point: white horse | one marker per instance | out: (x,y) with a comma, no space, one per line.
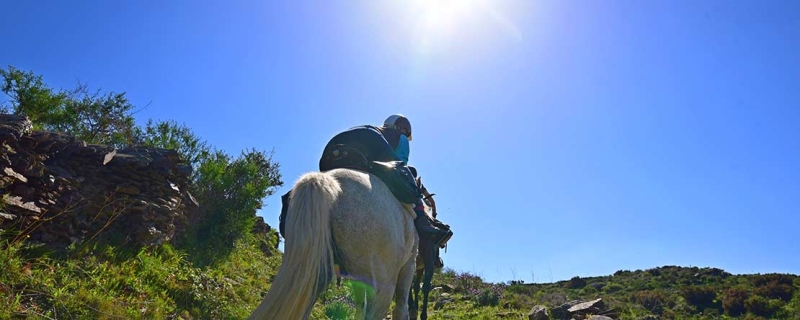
(354,215)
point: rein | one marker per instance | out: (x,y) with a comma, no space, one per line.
(427,196)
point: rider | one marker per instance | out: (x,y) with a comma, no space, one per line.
(387,143)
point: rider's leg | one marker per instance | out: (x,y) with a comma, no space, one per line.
(423,222)
(425,227)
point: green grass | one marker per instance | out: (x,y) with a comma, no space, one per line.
(112,283)
(106,282)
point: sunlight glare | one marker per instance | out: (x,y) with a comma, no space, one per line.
(437,21)
(440,24)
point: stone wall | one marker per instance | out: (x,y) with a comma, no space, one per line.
(58,189)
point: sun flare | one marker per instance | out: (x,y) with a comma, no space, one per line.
(439,24)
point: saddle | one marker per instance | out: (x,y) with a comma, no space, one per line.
(393,173)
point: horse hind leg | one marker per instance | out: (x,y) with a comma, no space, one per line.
(402,292)
(371,301)
(413,296)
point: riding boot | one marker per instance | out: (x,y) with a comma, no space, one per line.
(424,226)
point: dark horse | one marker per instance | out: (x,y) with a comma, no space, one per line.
(426,253)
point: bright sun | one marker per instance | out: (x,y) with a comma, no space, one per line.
(437,21)
(439,24)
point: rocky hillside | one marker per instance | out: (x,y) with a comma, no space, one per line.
(669,292)
(57,189)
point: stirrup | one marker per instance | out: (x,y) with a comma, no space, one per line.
(443,241)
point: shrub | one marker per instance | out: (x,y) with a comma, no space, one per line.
(764,279)
(230,191)
(762,306)
(467,283)
(613,287)
(576,283)
(700,296)
(516,301)
(551,298)
(775,290)
(652,300)
(733,301)
(520,289)
(622,273)
(488,296)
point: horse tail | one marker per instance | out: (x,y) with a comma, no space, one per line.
(307,267)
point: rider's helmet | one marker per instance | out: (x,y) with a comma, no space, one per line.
(399,122)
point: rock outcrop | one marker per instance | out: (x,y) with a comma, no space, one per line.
(576,309)
(538,312)
(57,189)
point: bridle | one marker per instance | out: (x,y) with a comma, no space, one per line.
(427,196)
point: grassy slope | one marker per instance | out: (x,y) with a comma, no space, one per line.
(113,283)
(106,283)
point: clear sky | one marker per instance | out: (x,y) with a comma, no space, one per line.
(563,138)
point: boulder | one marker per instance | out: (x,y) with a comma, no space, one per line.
(562,312)
(538,312)
(594,306)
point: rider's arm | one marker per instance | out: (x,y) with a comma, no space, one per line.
(402,150)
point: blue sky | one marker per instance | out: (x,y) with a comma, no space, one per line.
(563,138)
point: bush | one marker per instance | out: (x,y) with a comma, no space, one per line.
(520,289)
(701,297)
(622,273)
(103,119)
(652,300)
(517,301)
(762,306)
(551,298)
(489,296)
(775,290)
(230,192)
(467,283)
(777,278)
(576,283)
(733,301)
(613,287)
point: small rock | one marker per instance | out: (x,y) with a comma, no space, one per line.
(10,172)
(538,312)
(17,202)
(7,216)
(109,156)
(596,317)
(596,304)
